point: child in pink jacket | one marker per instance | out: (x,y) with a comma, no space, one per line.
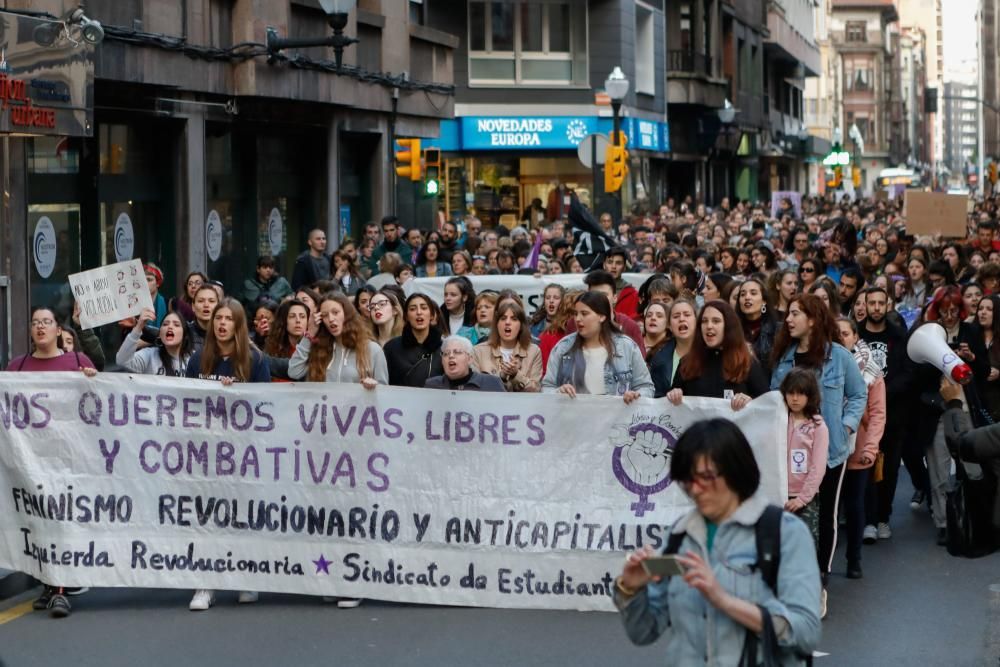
(808,442)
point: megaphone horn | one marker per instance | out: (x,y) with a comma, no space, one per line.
(928,345)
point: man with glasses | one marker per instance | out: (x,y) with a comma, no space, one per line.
(800,249)
(459,375)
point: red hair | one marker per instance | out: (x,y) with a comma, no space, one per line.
(946,297)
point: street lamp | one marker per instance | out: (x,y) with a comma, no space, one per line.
(337,11)
(616,86)
(727,114)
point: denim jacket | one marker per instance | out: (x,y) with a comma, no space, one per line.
(699,634)
(843,396)
(626,368)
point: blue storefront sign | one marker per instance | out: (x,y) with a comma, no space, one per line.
(506,133)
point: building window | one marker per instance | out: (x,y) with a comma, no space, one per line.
(645,55)
(856,31)
(858,76)
(418,15)
(540,42)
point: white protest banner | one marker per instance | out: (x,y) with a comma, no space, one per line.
(110,293)
(529,288)
(516,500)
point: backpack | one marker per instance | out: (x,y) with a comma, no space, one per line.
(767,532)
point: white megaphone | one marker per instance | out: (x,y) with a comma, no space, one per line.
(929,345)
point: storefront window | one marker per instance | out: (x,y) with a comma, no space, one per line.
(55,255)
(53,155)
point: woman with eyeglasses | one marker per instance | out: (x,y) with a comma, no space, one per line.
(47,355)
(809,271)
(385,316)
(806,340)
(722,603)
(414,355)
(597,358)
(948,310)
(184,303)
(227,356)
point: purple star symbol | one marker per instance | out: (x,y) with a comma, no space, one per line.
(323,565)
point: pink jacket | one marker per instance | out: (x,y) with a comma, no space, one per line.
(871,428)
(814,438)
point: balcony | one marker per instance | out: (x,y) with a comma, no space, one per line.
(688,62)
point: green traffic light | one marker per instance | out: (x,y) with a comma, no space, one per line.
(432,187)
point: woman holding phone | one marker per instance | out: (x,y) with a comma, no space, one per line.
(719,602)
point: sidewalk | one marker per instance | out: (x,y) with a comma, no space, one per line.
(14,583)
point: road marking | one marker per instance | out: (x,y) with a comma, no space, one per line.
(15,612)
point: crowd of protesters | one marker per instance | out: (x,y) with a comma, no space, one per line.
(816,302)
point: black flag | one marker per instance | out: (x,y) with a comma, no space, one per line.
(590,242)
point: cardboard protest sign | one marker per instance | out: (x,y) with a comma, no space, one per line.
(411,495)
(110,293)
(935,213)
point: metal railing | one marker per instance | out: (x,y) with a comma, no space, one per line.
(683,60)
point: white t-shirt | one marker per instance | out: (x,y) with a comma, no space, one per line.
(593,378)
(456,322)
(507,354)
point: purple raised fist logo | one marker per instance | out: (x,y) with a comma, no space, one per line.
(641,460)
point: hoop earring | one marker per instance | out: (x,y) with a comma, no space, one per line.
(763,309)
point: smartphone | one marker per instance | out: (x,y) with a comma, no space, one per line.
(663,566)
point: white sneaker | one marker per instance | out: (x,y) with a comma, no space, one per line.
(822,604)
(348,603)
(870,536)
(884,531)
(248,597)
(202,600)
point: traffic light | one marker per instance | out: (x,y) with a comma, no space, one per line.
(408,159)
(615,164)
(836,178)
(856,177)
(432,171)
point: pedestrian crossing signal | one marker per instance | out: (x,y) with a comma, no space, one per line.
(408,159)
(432,171)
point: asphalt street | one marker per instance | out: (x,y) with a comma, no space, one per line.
(916,606)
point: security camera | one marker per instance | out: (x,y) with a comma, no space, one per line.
(92,31)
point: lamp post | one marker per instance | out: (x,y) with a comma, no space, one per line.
(337,11)
(616,86)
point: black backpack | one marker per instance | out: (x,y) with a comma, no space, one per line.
(768,536)
(767,533)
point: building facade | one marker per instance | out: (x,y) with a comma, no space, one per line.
(867,84)
(211,154)
(529,80)
(961,125)
(791,57)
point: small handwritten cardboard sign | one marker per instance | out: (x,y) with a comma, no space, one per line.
(110,293)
